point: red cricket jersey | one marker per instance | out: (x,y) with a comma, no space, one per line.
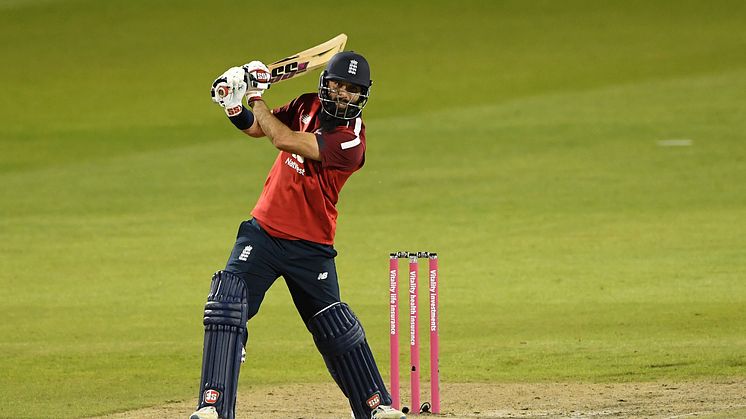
(300,195)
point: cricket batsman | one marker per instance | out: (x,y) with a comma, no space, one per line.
(321,138)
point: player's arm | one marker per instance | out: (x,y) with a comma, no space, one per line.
(251,80)
(254,131)
(296,142)
(282,137)
(245,118)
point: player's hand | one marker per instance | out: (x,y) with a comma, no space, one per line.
(229,89)
(258,76)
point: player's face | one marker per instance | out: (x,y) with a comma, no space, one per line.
(344,93)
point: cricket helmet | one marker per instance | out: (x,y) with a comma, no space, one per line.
(350,67)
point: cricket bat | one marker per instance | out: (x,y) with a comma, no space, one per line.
(303,62)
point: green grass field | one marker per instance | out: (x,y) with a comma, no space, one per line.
(523,141)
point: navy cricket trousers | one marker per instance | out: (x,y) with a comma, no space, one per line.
(308,268)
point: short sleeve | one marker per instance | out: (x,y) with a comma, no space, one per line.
(343,148)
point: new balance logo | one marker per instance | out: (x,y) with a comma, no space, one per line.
(352,69)
(323,275)
(245,253)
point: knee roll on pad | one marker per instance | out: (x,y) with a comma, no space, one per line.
(340,339)
(226,314)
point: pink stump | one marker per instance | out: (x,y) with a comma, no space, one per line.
(434,341)
(394,327)
(414,336)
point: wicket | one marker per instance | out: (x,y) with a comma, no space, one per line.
(414,338)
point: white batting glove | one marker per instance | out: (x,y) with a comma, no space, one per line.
(258,77)
(229,89)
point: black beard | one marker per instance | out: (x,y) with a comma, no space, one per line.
(328,123)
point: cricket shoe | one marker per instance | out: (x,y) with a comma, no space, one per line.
(387,412)
(207,412)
